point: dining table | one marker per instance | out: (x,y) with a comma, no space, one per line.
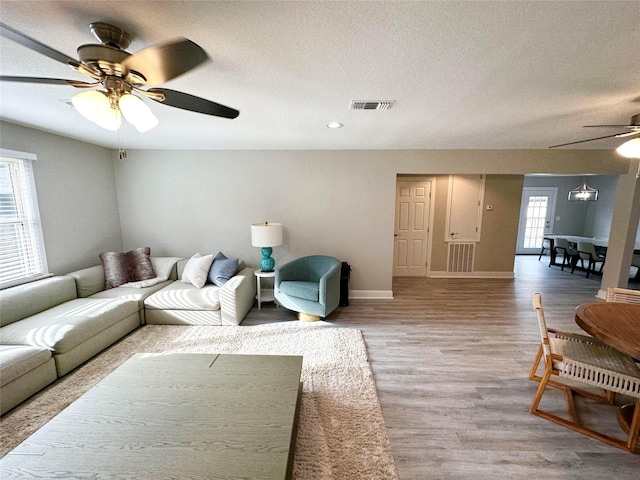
(617,325)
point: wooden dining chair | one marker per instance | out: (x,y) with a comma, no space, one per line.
(587,251)
(592,365)
(562,335)
(623,295)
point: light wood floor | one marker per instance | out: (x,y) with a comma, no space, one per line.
(451,358)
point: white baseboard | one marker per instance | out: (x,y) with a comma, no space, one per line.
(371,294)
(471,275)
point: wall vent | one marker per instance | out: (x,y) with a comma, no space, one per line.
(371,104)
(461,257)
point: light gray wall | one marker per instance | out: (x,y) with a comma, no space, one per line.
(179,202)
(76,190)
(338,203)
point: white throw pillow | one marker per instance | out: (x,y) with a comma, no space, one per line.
(196,270)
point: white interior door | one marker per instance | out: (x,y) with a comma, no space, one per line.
(413,207)
(537,213)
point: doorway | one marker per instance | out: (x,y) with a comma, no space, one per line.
(412,227)
(537,214)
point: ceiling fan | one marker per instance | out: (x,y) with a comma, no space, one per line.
(634,129)
(117,75)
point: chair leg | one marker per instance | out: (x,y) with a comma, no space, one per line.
(534,367)
(589,267)
(541,253)
(630,444)
(539,393)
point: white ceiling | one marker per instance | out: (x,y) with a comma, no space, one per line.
(470,75)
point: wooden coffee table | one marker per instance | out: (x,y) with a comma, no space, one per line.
(173,416)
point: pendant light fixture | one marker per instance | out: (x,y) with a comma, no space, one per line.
(584,193)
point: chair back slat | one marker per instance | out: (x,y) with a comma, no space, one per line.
(623,295)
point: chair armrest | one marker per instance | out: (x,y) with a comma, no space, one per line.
(329,286)
(237,297)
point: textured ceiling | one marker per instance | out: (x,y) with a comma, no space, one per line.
(464,75)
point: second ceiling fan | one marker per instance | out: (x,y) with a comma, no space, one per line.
(633,130)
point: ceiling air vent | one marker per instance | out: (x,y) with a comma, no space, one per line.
(371,104)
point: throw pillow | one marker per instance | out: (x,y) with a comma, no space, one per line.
(124,267)
(197,269)
(222,269)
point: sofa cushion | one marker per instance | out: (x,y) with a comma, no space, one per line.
(124,267)
(129,293)
(197,269)
(66,326)
(25,300)
(16,360)
(184,296)
(304,290)
(222,269)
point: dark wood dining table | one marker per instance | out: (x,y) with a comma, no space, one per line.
(617,325)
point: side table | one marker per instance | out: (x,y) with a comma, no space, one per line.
(264,294)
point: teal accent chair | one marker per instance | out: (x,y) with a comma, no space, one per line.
(309,285)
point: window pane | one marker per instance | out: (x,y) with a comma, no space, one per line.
(535,221)
(22,256)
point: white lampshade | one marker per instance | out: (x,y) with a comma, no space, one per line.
(630,149)
(137,112)
(94,105)
(266,234)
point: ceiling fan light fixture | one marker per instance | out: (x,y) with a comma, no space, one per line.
(136,112)
(630,149)
(96,106)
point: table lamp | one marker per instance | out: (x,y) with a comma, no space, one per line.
(266,235)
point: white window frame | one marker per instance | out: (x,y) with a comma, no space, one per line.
(22,252)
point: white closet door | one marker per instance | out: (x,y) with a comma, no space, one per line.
(464,208)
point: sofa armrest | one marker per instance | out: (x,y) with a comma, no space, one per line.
(88,280)
(237,296)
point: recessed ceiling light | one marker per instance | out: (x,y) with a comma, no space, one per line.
(335,125)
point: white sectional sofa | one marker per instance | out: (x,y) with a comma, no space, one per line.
(51,326)
(45,324)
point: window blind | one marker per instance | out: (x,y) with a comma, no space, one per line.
(22,253)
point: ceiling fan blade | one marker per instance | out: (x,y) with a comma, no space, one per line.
(37,46)
(607,126)
(161,63)
(51,81)
(192,103)
(589,140)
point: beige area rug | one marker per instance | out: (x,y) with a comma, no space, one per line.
(341,432)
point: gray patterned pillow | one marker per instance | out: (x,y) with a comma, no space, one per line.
(124,267)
